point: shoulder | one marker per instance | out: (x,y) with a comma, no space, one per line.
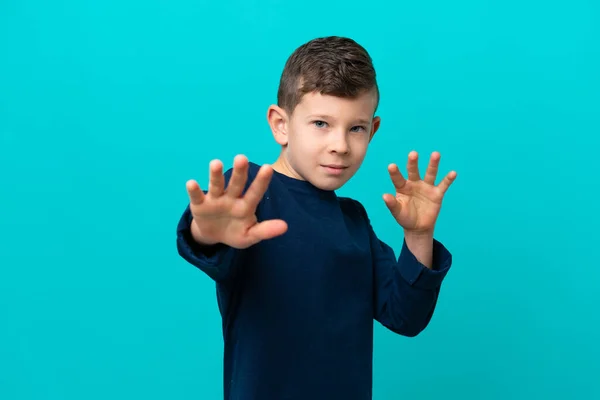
(353,207)
(252,172)
(253,169)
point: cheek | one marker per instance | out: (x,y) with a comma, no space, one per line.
(359,145)
(305,141)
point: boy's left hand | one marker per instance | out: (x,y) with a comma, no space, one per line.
(417,202)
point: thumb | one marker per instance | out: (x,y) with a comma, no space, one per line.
(267,229)
(392,204)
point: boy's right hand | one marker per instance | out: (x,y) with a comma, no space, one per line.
(227,215)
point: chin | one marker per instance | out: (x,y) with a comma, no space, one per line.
(327,184)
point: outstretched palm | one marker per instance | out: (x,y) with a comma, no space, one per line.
(417,202)
(227,214)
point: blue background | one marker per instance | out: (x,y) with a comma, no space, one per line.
(107,108)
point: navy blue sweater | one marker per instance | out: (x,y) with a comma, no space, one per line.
(298,310)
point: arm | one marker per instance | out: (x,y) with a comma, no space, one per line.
(421,245)
(216,260)
(218,224)
(405,290)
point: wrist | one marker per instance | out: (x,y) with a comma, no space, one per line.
(421,245)
(198,237)
(422,234)
(422,240)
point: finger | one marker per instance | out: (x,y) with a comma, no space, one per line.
(412,166)
(216,185)
(392,204)
(239,177)
(432,169)
(268,229)
(447,181)
(259,186)
(397,178)
(195,194)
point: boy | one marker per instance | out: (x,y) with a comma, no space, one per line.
(300,274)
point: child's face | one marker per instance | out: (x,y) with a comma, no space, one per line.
(325,139)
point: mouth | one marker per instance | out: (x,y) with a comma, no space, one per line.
(334,169)
(335,166)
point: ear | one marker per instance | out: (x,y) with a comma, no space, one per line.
(278,121)
(374,127)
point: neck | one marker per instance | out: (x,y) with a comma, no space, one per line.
(283,166)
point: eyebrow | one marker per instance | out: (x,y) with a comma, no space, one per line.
(323,116)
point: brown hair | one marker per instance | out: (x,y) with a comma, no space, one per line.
(332,65)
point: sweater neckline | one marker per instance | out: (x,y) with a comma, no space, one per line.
(303,186)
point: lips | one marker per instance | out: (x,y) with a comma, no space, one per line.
(334,169)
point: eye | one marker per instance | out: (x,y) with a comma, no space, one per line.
(358,129)
(320,124)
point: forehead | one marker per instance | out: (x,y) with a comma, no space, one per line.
(362,106)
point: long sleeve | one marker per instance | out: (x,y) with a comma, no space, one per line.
(216,261)
(219,261)
(406,291)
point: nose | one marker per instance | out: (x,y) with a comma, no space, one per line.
(339,143)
